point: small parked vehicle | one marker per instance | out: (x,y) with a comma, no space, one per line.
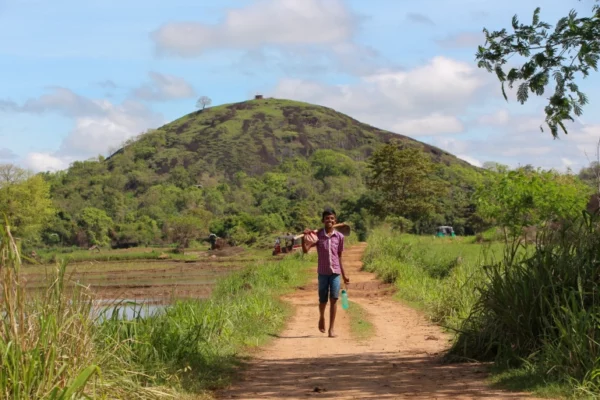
(287,244)
(443,231)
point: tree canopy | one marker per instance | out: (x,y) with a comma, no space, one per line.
(405,177)
(24,200)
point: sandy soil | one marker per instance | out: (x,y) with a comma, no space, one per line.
(401,361)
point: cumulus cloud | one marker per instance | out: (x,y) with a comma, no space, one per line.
(98,125)
(59,100)
(498,117)
(434,102)
(298,37)
(94,135)
(463,40)
(433,124)
(423,100)
(470,160)
(7,154)
(420,18)
(164,87)
(265,22)
(45,162)
(517,140)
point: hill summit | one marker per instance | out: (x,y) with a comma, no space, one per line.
(256,135)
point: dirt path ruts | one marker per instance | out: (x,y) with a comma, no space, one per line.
(401,361)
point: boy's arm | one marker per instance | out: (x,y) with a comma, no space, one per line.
(346,279)
(306,246)
(340,252)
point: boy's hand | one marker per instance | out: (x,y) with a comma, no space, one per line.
(307,231)
(346,279)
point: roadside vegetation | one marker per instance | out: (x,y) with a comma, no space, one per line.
(361,327)
(524,294)
(56,345)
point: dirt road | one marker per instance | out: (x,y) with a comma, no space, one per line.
(401,361)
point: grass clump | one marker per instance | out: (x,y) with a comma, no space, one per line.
(49,342)
(200,343)
(542,308)
(437,275)
(360,326)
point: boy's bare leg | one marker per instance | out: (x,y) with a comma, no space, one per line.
(332,311)
(322,307)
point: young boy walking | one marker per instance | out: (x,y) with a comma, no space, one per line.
(330,246)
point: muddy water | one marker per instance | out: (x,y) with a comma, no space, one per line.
(143,287)
(127,308)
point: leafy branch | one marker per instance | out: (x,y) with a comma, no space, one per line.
(562,54)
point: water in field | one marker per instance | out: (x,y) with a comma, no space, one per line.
(139,288)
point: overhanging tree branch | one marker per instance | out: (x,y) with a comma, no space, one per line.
(568,52)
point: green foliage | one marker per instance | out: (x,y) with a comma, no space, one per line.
(520,198)
(560,54)
(25,201)
(96,226)
(405,178)
(48,341)
(591,175)
(185,228)
(436,275)
(143,231)
(331,163)
(195,344)
(542,307)
(55,345)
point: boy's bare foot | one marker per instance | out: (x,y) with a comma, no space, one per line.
(322,324)
(332,334)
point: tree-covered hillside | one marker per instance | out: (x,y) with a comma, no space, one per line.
(244,171)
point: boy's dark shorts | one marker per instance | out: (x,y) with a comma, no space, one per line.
(329,287)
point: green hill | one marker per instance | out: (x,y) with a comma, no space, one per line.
(256,135)
(243,170)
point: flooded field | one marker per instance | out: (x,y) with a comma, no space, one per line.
(153,282)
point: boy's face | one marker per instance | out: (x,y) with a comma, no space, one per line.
(329,221)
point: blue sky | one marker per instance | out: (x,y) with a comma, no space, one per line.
(79,78)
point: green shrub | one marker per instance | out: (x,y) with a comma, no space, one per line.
(542,306)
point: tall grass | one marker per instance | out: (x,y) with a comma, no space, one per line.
(58,346)
(48,341)
(196,345)
(533,309)
(543,308)
(437,275)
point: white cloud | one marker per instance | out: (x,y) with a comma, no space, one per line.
(265,22)
(95,135)
(60,100)
(470,160)
(498,117)
(434,124)
(42,162)
(164,87)
(518,141)
(423,100)
(99,125)
(430,101)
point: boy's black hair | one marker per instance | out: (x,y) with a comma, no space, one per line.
(328,211)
